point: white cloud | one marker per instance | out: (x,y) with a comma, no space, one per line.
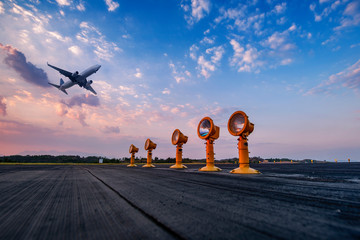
(205,67)
(138,73)
(207,40)
(126,91)
(166,91)
(275,40)
(292,28)
(81,7)
(351,15)
(112,5)
(242,19)
(2,10)
(245,60)
(75,50)
(199,8)
(164,108)
(217,53)
(63,2)
(349,78)
(38,21)
(286,61)
(281,21)
(279,40)
(92,36)
(179,76)
(193,52)
(280,8)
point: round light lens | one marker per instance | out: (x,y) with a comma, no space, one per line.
(130,149)
(237,123)
(175,137)
(204,128)
(147,143)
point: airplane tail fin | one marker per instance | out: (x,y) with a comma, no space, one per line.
(58,86)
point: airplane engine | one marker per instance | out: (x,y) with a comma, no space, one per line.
(89,83)
(75,74)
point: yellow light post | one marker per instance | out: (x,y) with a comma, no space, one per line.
(132,150)
(348,160)
(239,125)
(208,131)
(149,146)
(178,139)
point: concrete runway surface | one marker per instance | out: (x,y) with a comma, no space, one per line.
(286,201)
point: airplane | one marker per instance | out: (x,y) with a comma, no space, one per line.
(75,78)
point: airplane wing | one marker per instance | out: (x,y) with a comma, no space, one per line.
(63,72)
(90,89)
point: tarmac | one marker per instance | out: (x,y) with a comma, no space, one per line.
(285,201)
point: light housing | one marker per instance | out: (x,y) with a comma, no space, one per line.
(178,137)
(207,129)
(133,149)
(149,145)
(239,124)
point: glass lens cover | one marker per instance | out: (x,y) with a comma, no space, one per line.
(175,136)
(205,126)
(237,123)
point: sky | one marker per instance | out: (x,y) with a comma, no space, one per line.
(292,66)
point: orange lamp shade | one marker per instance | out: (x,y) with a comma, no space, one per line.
(239,124)
(207,129)
(133,149)
(149,145)
(178,137)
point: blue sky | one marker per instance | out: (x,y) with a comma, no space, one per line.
(292,66)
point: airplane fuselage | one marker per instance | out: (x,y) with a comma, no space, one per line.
(67,84)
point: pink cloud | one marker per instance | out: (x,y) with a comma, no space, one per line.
(349,78)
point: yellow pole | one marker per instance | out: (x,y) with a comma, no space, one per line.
(312,161)
(178,161)
(149,159)
(132,159)
(243,158)
(349,160)
(210,160)
(335,160)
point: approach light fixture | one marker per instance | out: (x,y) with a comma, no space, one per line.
(209,132)
(149,146)
(132,150)
(178,139)
(239,125)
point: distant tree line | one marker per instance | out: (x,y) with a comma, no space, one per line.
(55,159)
(95,159)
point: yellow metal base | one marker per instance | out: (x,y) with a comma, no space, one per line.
(246,170)
(210,169)
(149,165)
(178,166)
(131,165)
